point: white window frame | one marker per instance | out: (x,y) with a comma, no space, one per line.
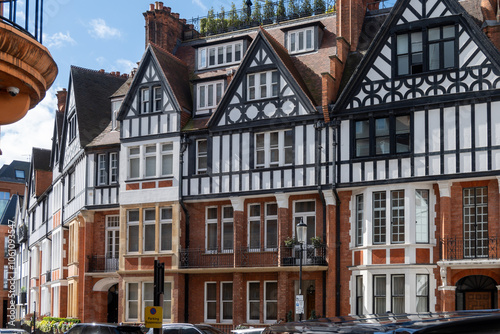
(132,223)
(266,301)
(114,228)
(144,98)
(210,302)
(268,217)
(293,40)
(201,155)
(204,55)
(55,304)
(359,217)
(226,301)
(165,223)
(215,96)
(249,301)
(56,249)
(46,255)
(128,301)
(254,220)
(210,222)
(102,169)
(150,158)
(268,148)
(113,167)
(148,223)
(71,185)
(227,221)
(308,217)
(134,157)
(167,150)
(258,87)
(156,99)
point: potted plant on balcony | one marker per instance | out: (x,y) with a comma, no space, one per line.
(22,295)
(268,12)
(290,243)
(318,256)
(280,11)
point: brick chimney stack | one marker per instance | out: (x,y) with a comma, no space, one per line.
(61,99)
(491,20)
(163,27)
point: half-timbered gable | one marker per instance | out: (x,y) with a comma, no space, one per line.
(420,103)
(158,96)
(263,135)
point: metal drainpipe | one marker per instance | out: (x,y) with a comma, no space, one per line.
(334,126)
(184,144)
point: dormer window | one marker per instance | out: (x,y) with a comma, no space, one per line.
(19,174)
(209,94)
(440,51)
(301,40)
(144,100)
(220,55)
(115,107)
(72,128)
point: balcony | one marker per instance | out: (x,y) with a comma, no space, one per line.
(246,257)
(451,249)
(22,233)
(101,264)
(27,69)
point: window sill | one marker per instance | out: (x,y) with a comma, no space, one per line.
(381,157)
(300,53)
(148,179)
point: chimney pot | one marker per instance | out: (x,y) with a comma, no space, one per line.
(101,71)
(151,7)
(160,4)
(117,73)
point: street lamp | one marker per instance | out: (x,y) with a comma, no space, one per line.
(301,238)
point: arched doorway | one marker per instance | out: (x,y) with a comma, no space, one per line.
(113,304)
(476,292)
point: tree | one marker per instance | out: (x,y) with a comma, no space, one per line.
(306,9)
(292,10)
(256,14)
(319,6)
(245,14)
(211,24)
(233,17)
(268,11)
(280,10)
(222,22)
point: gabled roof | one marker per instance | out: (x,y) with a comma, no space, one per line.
(92,91)
(283,62)
(41,159)
(107,137)
(440,7)
(10,210)
(8,172)
(174,74)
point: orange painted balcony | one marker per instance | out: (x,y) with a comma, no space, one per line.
(27,69)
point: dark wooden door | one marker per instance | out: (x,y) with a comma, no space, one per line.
(477,300)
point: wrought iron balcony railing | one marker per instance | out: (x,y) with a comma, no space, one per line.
(25,16)
(457,248)
(247,257)
(101,263)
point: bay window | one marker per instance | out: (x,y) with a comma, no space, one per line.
(149,161)
(148,225)
(211,229)
(422,293)
(166,229)
(209,94)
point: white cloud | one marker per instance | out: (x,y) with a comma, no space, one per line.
(99,29)
(200,4)
(34,130)
(58,40)
(125,65)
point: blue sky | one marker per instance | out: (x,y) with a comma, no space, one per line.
(105,34)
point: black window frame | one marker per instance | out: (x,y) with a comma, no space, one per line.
(373,139)
(423,28)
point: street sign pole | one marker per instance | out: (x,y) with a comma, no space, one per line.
(159,277)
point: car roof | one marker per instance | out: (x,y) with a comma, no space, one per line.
(483,321)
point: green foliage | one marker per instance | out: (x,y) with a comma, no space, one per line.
(331,9)
(268,10)
(291,241)
(211,23)
(256,14)
(245,16)
(280,10)
(316,241)
(319,6)
(233,16)
(51,324)
(203,26)
(289,316)
(222,23)
(313,315)
(306,9)
(293,9)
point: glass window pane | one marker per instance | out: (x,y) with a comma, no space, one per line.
(167,164)
(149,237)
(210,95)
(416,42)
(449,54)
(448,31)
(133,238)
(382,127)
(403,65)
(166,236)
(402,44)
(434,34)
(229,53)
(308,39)
(434,56)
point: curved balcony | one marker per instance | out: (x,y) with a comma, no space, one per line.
(27,69)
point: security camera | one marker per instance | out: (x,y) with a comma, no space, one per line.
(13,91)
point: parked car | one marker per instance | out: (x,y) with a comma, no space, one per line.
(482,321)
(93,328)
(12,331)
(251,330)
(181,328)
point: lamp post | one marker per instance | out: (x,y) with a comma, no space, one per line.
(301,238)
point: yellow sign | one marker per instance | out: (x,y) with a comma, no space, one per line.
(153,316)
